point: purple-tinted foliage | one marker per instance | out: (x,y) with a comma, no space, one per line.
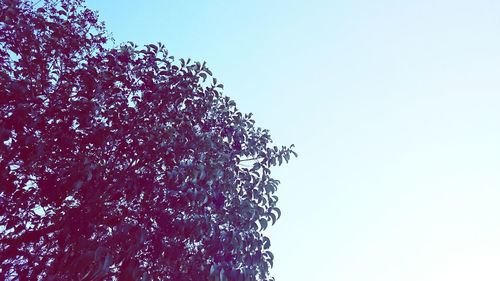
(123,163)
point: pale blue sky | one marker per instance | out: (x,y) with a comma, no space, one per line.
(394,107)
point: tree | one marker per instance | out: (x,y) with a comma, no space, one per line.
(122,163)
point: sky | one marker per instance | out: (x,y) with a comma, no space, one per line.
(393,107)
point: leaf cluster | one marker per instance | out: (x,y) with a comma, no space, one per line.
(123,163)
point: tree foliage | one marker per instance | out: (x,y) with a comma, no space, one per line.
(122,163)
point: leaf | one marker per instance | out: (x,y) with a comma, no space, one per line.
(222,275)
(154,47)
(263,224)
(270,254)
(213,270)
(107,263)
(267,243)
(287,157)
(202,172)
(204,76)
(256,166)
(271,258)
(273,217)
(278,211)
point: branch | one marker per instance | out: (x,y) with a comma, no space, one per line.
(30,236)
(11,252)
(251,159)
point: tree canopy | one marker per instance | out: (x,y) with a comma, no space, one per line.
(123,163)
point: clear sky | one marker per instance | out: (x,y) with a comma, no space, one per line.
(394,107)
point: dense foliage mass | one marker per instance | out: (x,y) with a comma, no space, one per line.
(121,163)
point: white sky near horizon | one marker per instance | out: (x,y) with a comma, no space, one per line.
(394,110)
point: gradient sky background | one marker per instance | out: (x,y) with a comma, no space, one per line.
(394,107)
